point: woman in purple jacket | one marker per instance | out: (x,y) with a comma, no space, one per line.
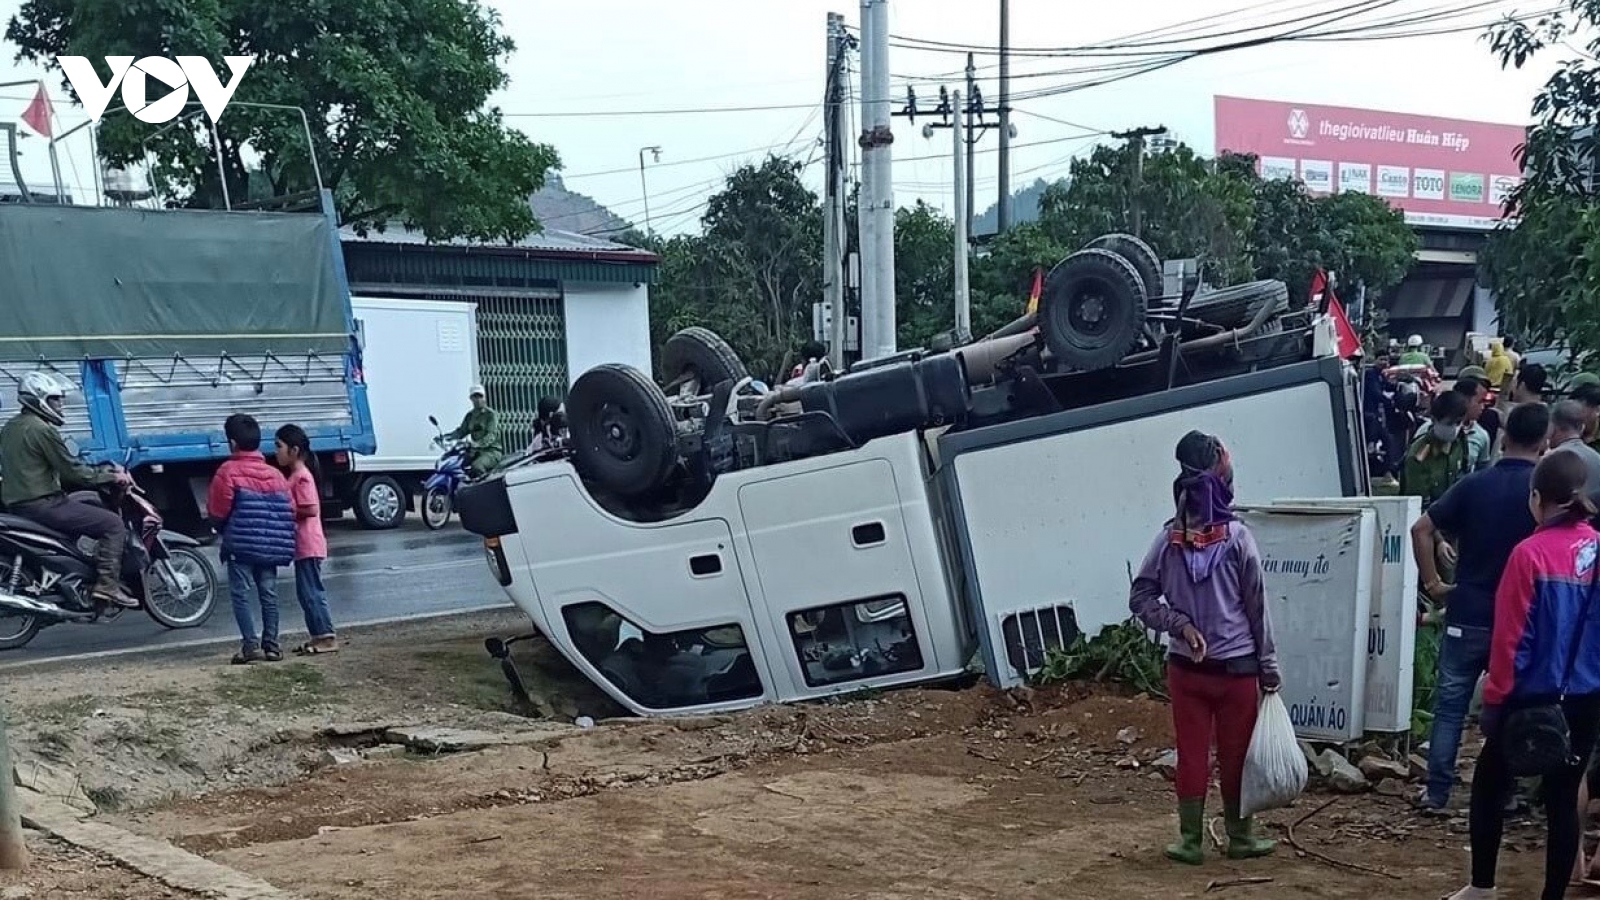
(1201,585)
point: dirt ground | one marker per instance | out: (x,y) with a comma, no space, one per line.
(926,794)
(58,871)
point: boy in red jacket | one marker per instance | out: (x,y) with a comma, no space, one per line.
(249,502)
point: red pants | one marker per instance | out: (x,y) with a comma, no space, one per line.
(1207,705)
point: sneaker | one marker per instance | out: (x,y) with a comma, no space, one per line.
(1430,805)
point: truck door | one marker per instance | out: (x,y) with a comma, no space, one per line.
(837,582)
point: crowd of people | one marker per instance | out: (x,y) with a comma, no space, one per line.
(1509,476)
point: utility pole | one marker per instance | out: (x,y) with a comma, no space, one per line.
(974,103)
(1135,138)
(962,219)
(877,185)
(13,850)
(833,225)
(645,187)
(1005,115)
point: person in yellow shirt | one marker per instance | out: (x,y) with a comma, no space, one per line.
(1499,368)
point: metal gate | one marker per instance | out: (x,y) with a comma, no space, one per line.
(522,355)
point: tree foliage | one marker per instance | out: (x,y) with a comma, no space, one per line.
(1543,263)
(395,92)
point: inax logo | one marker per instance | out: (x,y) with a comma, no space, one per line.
(178,75)
(1299,124)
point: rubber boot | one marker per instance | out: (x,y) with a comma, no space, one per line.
(108,586)
(1189,849)
(1242,840)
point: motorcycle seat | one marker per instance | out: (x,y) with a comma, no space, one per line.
(19,523)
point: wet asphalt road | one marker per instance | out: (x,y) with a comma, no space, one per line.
(370,575)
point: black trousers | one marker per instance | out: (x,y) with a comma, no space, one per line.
(74,518)
(1491,782)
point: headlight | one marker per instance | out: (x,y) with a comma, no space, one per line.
(496,558)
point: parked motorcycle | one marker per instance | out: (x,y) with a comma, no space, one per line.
(449,473)
(46,577)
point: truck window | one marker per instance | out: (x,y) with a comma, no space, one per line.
(855,640)
(664,671)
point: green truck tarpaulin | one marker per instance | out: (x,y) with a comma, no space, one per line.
(106,283)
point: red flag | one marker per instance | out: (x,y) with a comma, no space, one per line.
(39,115)
(1349,341)
(1038,289)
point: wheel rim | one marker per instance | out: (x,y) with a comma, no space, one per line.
(202,590)
(619,435)
(1089,313)
(12,625)
(383,501)
(436,507)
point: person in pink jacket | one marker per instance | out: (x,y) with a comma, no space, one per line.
(310,544)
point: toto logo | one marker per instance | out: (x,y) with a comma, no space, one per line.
(179,76)
(1299,124)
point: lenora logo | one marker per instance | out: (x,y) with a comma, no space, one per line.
(179,76)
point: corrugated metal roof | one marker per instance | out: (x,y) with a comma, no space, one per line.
(1429,298)
(551,240)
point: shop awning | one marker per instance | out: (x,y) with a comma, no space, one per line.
(1432,298)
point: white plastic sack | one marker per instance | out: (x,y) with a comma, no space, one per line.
(1274,768)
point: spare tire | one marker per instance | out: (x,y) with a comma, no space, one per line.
(703,352)
(621,429)
(1093,309)
(1234,307)
(1140,255)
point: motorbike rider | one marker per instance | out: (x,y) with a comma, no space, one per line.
(481,426)
(40,470)
(548,426)
(1415,354)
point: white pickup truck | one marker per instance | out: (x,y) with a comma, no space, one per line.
(779,561)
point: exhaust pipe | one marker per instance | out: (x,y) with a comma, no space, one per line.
(23,604)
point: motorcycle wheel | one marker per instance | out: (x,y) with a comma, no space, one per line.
(436,508)
(16,630)
(160,603)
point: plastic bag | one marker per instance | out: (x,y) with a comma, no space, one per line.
(1275,770)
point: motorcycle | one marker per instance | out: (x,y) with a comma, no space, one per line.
(46,576)
(449,473)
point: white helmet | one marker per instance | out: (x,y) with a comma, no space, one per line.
(45,393)
(476,391)
(1414,342)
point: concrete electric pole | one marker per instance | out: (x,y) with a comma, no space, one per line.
(833,222)
(13,850)
(645,187)
(877,185)
(962,220)
(1135,138)
(1005,115)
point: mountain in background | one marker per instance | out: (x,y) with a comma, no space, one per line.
(559,209)
(1024,208)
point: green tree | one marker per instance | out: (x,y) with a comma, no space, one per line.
(1543,262)
(395,90)
(924,275)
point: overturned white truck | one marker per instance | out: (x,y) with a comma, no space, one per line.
(709,545)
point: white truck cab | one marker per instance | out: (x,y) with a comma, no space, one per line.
(892,563)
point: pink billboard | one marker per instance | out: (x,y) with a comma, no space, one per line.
(1447,172)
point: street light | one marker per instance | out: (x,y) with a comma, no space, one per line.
(645,188)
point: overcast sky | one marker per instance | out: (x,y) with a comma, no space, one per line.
(601,80)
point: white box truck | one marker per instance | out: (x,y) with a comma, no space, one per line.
(419,358)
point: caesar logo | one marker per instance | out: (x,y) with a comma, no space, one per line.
(179,76)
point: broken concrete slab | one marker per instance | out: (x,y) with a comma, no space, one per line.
(429,739)
(349,730)
(148,856)
(1376,768)
(60,785)
(337,756)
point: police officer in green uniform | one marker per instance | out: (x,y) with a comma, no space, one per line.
(1585,386)
(481,425)
(1439,456)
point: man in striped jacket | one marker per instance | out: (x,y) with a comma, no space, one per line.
(249,501)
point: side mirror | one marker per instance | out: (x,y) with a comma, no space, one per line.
(432,421)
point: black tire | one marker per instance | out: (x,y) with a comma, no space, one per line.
(707,355)
(1093,309)
(209,590)
(19,630)
(436,508)
(1233,307)
(1140,255)
(380,503)
(623,437)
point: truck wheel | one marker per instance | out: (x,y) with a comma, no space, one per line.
(380,503)
(623,437)
(703,352)
(1140,255)
(1093,309)
(1234,307)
